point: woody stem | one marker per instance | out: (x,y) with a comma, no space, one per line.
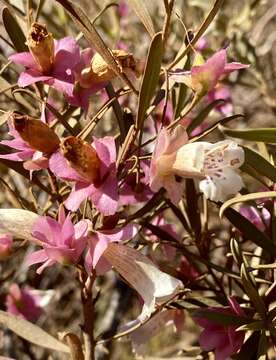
(88,314)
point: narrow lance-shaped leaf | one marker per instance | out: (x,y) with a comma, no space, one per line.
(244,198)
(141,9)
(259,163)
(14,31)
(31,332)
(150,78)
(250,231)
(252,291)
(198,120)
(267,135)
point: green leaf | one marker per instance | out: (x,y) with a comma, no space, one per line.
(252,292)
(259,164)
(31,332)
(253,326)
(267,135)
(221,318)
(150,78)
(203,115)
(14,31)
(262,347)
(141,8)
(250,231)
(244,198)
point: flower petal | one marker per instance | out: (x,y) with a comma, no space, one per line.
(151,283)
(18,223)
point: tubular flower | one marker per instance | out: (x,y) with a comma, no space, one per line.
(49,61)
(5,246)
(214,164)
(204,76)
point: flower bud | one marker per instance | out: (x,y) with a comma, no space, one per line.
(41,46)
(82,157)
(99,70)
(36,133)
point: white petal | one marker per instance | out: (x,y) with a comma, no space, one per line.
(189,160)
(220,189)
(17,223)
(139,271)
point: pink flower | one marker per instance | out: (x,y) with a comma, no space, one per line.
(60,76)
(5,246)
(23,303)
(260,219)
(130,191)
(99,242)
(33,159)
(224,340)
(168,250)
(162,159)
(103,193)
(62,241)
(82,91)
(204,76)
(221,92)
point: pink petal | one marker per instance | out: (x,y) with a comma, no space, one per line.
(67,232)
(17,156)
(62,254)
(29,77)
(63,86)
(24,58)
(45,265)
(100,245)
(47,230)
(81,229)
(213,337)
(174,189)
(36,257)
(125,233)
(106,197)
(106,150)
(59,166)
(233,66)
(78,195)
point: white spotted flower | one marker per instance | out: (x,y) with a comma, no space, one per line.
(216,164)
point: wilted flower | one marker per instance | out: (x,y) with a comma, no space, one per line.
(92,168)
(204,76)
(5,246)
(154,286)
(62,241)
(49,61)
(224,340)
(34,140)
(23,302)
